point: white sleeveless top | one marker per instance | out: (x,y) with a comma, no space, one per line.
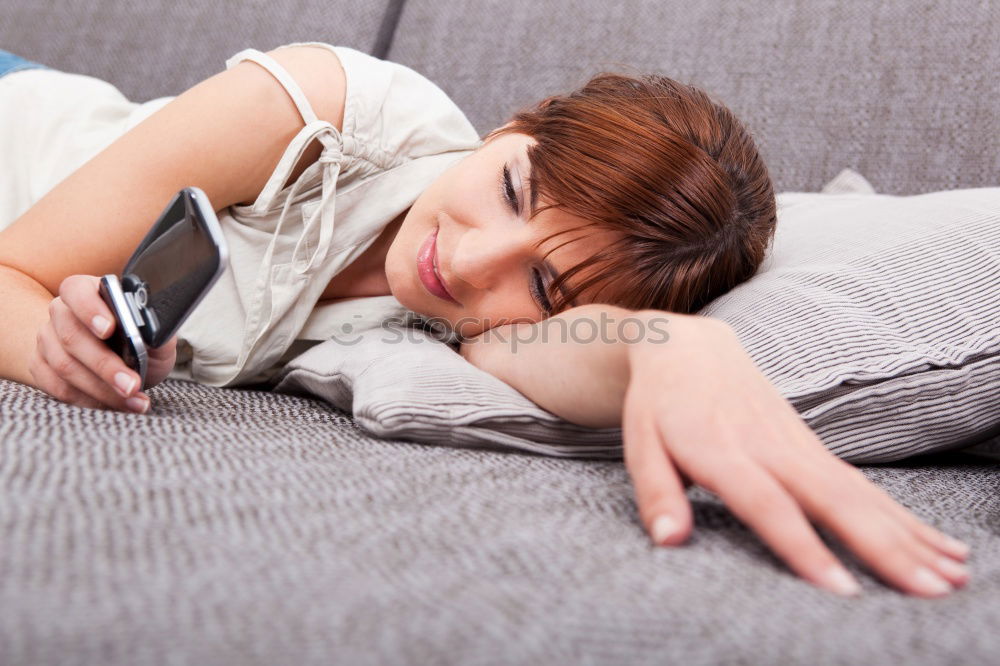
(400,132)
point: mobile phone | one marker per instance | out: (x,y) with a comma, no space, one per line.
(176,264)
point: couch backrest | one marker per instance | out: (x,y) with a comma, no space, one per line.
(904,92)
(154,48)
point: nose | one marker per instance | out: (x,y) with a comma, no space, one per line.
(483,257)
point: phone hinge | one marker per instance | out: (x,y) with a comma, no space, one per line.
(137,317)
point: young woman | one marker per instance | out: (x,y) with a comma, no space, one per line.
(630,202)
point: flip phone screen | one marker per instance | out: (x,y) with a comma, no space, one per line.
(170,269)
(170,272)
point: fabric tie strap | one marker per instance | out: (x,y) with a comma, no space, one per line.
(323,217)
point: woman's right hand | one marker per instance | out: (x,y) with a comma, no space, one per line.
(72,363)
(698,410)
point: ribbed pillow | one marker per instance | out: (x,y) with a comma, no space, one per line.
(875,315)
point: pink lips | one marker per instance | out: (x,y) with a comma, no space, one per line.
(426,256)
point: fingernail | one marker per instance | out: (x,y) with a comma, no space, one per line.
(100,324)
(137,404)
(959,547)
(663,527)
(929,582)
(838,580)
(952,568)
(125,383)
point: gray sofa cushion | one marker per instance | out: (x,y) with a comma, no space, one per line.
(894,89)
(874,315)
(245,527)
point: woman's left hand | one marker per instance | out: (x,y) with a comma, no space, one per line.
(697,409)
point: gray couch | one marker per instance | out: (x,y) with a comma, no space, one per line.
(242,526)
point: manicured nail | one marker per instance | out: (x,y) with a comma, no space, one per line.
(125,383)
(101,324)
(930,582)
(953,568)
(663,527)
(838,580)
(137,404)
(959,547)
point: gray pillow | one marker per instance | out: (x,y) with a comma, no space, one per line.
(875,315)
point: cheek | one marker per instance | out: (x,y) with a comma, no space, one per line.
(401,255)
(509,304)
(414,229)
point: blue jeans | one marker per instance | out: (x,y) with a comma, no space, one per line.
(12,63)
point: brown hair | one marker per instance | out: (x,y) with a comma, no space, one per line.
(676,173)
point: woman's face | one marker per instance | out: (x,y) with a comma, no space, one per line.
(483,243)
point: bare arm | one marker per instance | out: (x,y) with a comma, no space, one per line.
(695,408)
(224,135)
(574,364)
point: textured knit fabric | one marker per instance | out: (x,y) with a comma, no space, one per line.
(164,47)
(244,527)
(906,93)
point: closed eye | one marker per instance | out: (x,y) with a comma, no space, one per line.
(508,191)
(537,284)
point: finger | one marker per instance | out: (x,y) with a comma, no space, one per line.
(891,551)
(953,573)
(684,478)
(663,505)
(957,575)
(47,379)
(762,503)
(165,351)
(892,538)
(81,294)
(836,499)
(101,364)
(73,372)
(932,537)
(160,361)
(805,467)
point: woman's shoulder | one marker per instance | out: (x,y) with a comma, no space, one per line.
(398,109)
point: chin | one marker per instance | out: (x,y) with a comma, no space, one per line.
(414,304)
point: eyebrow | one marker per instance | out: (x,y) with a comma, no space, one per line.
(554,274)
